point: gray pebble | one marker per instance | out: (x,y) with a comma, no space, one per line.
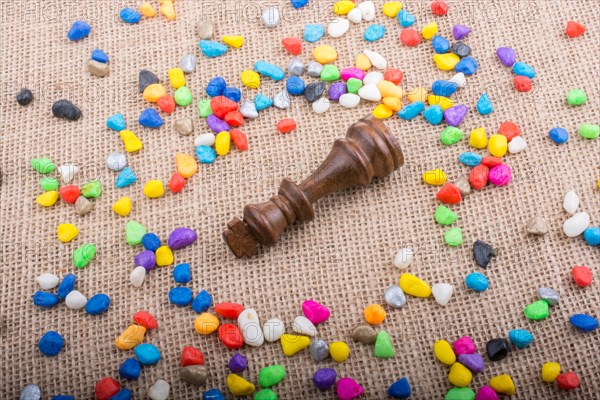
(30,392)
(248,109)
(463,185)
(270,17)
(205,30)
(184,126)
(188,63)
(364,333)
(116,161)
(319,350)
(549,295)
(97,68)
(537,226)
(65,109)
(194,374)
(296,66)
(395,297)
(282,100)
(314,69)
(460,49)
(145,79)
(83,205)
(314,91)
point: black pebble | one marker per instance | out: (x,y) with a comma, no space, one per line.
(482,253)
(146,79)
(314,91)
(67,110)
(24,97)
(497,349)
(460,49)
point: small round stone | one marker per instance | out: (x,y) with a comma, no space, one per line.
(576,97)
(51,343)
(66,110)
(558,135)
(75,300)
(296,66)
(97,304)
(321,105)
(364,333)
(24,97)
(442,292)
(521,338)
(188,63)
(238,363)
(476,281)
(324,378)
(394,297)
(497,349)
(270,17)
(549,295)
(319,350)
(30,392)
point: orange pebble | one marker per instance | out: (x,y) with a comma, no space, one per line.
(374,314)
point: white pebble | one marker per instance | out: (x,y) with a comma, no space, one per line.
(304,326)
(442,293)
(376,59)
(517,145)
(116,161)
(48,281)
(270,17)
(282,100)
(355,15)
(571,201)
(67,172)
(160,390)
(338,27)
(250,326)
(273,329)
(459,79)
(188,63)
(137,276)
(575,225)
(370,92)
(75,300)
(321,106)
(248,109)
(367,9)
(404,258)
(349,100)
(373,78)
(205,139)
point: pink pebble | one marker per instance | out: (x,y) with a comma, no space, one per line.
(486,393)
(315,312)
(500,175)
(464,345)
(353,72)
(348,389)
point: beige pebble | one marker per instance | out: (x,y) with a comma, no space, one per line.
(184,126)
(194,374)
(537,226)
(463,185)
(205,30)
(83,205)
(97,68)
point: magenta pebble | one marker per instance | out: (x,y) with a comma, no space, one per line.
(181,237)
(353,72)
(486,393)
(464,345)
(348,389)
(315,312)
(500,175)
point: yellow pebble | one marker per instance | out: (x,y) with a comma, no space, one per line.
(460,376)
(498,145)
(435,177)
(443,351)
(414,286)
(154,92)
(429,30)
(339,351)
(389,89)
(395,104)
(291,344)
(132,143)
(362,62)
(343,7)
(598,183)
(325,54)
(442,101)
(67,232)
(206,323)
(186,165)
(234,41)
(478,138)
(238,386)
(176,77)
(250,79)
(222,143)
(164,256)
(382,112)
(47,199)
(154,189)
(131,337)
(167,9)
(417,94)
(550,371)
(391,8)
(147,10)
(122,206)
(446,62)
(503,384)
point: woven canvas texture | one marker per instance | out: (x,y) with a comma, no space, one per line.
(343,258)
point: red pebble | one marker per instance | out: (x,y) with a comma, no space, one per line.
(410,37)
(568,381)
(69,194)
(176,183)
(239,139)
(393,75)
(523,83)
(582,276)
(166,104)
(191,356)
(449,194)
(510,130)
(107,388)
(490,161)
(234,118)
(231,336)
(478,177)
(286,125)
(221,106)
(145,319)
(292,44)
(439,7)
(229,310)
(574,29)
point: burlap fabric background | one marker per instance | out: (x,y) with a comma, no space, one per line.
(343,258)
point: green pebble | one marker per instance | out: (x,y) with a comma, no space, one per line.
(456,393)
(537,311)
(271,375)
(43,165)
(444,216)
(204,108)
(91,189)
(453,237)
(83,255)
(451,135)
(183,96)
(354,85)
(383,345)
(265,394)
(330,73)
(589,131)
(576,97)
(134,231)
(48,184)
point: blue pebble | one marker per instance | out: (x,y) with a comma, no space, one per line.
(467,66)
(202,302)
(63,397)
(51,343)
(98,304)
(123,394)
(212,49)
(440,44)
(411,110)
(444,88)
(262,102)
(592,236)
(67,285)
(406,19)
(180,296)
(584,322)
(374,33)
(150,118)
(146,353)
(130,369)
(116,122)
(524,69)
(400,389)
(213,394)
(295,85)
(434,114)
(477,281)
(298,4)
(558,135)
(79,30)
(45,299)
(130,16)
(151,241)
(469,158)
(181,273)
(521,338)
(100,56)
(216,86)
(484,105)
(206,155)
(125,178)
(233,94)
(313,32)
(271,70)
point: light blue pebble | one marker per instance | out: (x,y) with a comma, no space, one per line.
(206,155)
(477,281)
(313,32)
(524,69)
(150,118)
(202,302)
(130,16)
(212,49)
(262,102)
(116,122)
(146,354)
(411,110)
(271,70)
(45,299)
(79,30)
(213,394)
(592,236)
(98,304)
(440,44)
(406,19)
(123,394)
(484,105)
(67,285)
(584,322)
(467,66)
(444,88)
(374,33)
(559,135)
(521,338)
(181,273)
(434,114)
(471,159)
(126,178)
(180,296)
(100,56)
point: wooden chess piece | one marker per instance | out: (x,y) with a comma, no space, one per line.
(368,151)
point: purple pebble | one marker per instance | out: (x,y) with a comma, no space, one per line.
(217,124)
(145,259)
(486,393)
(238,363)
(324,378)
(474,362)
(455,115)
(181,237)
(336,91)
(507,56)
(460,31)
(353,72)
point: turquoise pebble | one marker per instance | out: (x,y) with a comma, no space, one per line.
(51,343)
(524,69)
(130,16)
(79,30)
(100,56)
(484,105)
(262,102)
(592,236)
(444,88)
(181,272)
(213,394)
(45,299)
(411,110)
(521,338)
(150,118)
(469,158)
(584,322)
(406,19)
(212,49)
(467,66)
(313,32)
(400,389)
(271,70)
(206,155)
(116,122)
(126,178)
(434,114)
(202,302)
(374,33)
(440,44)
(180,296)
(147,354)
(477,281)
(98,304)
(559,135)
